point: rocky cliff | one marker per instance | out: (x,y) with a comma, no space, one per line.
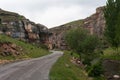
(94,24)
(17,26)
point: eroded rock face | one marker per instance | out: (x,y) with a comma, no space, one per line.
(95,24)
(17,26)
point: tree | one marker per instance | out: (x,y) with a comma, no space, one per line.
(112,17)
(81,42)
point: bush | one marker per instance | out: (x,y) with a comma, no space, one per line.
(96,70)
(40,45)
(43,46)
(91,58)
(81,42)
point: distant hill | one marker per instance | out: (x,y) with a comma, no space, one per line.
(67,26)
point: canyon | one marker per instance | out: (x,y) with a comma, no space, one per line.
(17,26)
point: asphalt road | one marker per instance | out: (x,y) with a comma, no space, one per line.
(33,69)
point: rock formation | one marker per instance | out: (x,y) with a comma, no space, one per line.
(111,69)
(94,24)
(17,26)
(8,48)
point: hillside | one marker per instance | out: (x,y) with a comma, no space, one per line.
(11,16)
(94,24)
(58,33)
(67,26)
(12,49)
(21,38)
(17,26)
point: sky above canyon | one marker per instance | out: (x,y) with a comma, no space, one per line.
(52,13)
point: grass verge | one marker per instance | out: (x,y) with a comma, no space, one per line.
(29,50)
(110,53)
(63,69)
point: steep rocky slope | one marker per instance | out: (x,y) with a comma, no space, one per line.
(94,24)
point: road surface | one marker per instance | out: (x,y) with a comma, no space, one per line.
(34,69)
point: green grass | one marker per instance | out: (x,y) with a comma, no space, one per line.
(63,69)
(29,50)
(111,54)
(77,23)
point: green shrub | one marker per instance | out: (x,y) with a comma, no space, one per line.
(96,70)
(80,41)
(91,58)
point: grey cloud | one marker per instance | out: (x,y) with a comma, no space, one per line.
(45,11)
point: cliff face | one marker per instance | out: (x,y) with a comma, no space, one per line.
(94,24)
(18,26)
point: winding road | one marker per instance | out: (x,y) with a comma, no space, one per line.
(33,69)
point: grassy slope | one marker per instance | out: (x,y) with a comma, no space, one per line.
(65,70)
(67,26)
(111,54)
(10,16)
(76,23)
(29,50)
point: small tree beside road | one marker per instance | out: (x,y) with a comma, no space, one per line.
(80,41)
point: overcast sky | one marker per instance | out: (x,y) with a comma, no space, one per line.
(52,12)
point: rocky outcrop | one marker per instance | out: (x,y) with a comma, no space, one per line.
(10,49)
(57,40)
(17,26)
(94,24)
(111,69)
